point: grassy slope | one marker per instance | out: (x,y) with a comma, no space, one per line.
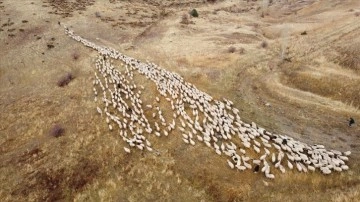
(88,162)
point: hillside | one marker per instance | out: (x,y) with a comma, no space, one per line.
(291,67)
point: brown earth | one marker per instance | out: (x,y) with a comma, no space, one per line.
(291,66)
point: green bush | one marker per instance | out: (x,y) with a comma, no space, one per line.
(194,13)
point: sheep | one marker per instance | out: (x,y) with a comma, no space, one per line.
(270,176)
(344,167)
(127,150)
(99,110)
(298,166)
(256,161)
(247,165)
(325,170)
(290,165)
(221,121)
(241,168)
(273,158)
(282,169)
(231,165)
(263,156)
(311,168)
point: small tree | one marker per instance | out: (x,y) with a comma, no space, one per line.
(194,13)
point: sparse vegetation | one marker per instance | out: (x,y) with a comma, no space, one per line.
(324,85)
(349,57)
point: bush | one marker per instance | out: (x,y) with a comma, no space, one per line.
(75,55)
(50,46)
(65,80)
(56,131)
(241,50)
(303,33)
(194,13)
(231,49)
(264,44)
(185,19)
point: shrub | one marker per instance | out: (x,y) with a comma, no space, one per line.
(231,49)
(50,46)
(241,50)
(65,80)
(75,56)
(264,44)
(56,131)
(194,13)
(185,19)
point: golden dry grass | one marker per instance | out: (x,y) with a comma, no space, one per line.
(337,88)
(311,97)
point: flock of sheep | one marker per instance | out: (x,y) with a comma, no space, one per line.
(197,117)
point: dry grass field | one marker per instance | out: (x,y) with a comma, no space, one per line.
(291,66)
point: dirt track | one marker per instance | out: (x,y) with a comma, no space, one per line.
(310,81)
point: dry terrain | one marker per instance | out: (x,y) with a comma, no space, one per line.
(291,66)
